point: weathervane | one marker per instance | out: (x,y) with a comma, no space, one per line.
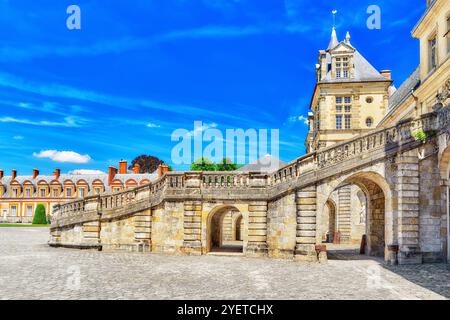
(334,17)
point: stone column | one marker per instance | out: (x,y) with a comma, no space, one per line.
(91,233)
(305,249)
(192,243)
(257,229)
(143,230)
(344,214)
(91,230)
(408,208)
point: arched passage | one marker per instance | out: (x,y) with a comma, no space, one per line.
(225,230)
(378,210)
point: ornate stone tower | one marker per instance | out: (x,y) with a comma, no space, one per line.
(350,96)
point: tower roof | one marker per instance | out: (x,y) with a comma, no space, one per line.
(334,40)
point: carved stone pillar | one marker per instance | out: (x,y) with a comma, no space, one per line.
(192,243)
(305,249)
(408,208)
(257,229)
(143,230)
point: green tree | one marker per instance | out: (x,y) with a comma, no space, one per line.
(226,165)
(203,164)
(39,215)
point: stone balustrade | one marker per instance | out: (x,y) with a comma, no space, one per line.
(382,140)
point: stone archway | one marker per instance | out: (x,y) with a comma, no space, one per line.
(379,220)
(222,227)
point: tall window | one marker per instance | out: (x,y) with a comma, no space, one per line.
(68,192)
(342,67)
(27,192)
(42,193)
(348,121)
(97,190)
(82,193)
(55,193)
(29,211)
(16,193)
(14,211)
(343,113)
(338,121)
(432,53)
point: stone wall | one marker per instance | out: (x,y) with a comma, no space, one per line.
(167,227)
(281,227)
(432,213)
(118,234)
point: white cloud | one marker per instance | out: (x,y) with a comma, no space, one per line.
(63,156)
(69,122)
(299,118)
(153,125)
(18,138)
(203,127)
(86,171)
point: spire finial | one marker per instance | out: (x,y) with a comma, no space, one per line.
(347,38)
(334,18)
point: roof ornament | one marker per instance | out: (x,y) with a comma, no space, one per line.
(334,18)
(347,38)
(334,40)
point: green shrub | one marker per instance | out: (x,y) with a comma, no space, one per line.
(39,215)
(420,135)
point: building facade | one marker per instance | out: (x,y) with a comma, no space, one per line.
(429,82)
(19,195)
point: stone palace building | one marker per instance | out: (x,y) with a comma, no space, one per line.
(377,168)
(19,195)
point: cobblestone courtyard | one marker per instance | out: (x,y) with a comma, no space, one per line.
(32,270)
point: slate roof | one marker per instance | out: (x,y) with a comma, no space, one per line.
(266,164)
(405,90)
(363,71)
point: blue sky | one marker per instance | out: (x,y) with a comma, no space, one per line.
(139,69)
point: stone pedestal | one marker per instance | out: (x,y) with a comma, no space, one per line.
(392,254)
(409,255)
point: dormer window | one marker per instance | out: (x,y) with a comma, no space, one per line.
(342,68)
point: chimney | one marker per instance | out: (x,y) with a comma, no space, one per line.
(1,174)
(13,174)
(137,168)
(387,74)
(111,174)
(35,173)
(57,173)
(162,169)
(122,167)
